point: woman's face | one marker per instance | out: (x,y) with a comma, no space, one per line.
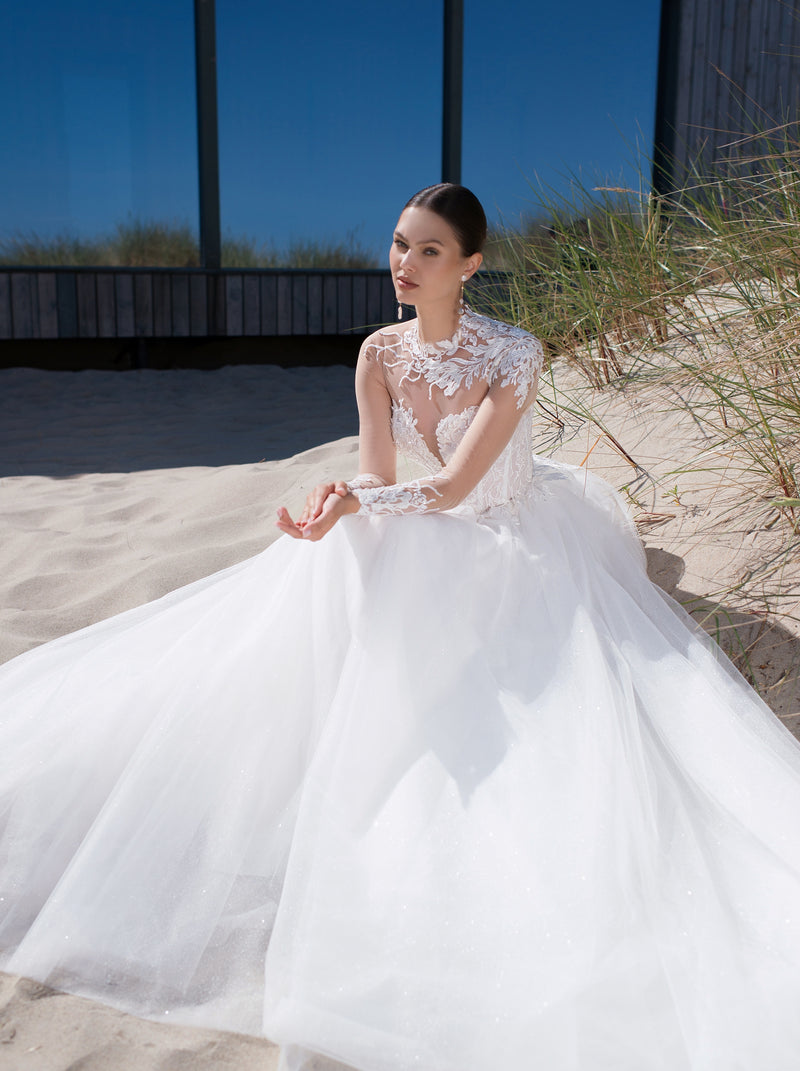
(426,259)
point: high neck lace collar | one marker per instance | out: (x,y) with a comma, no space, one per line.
(443,348)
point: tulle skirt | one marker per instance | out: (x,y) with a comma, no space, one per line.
(437,792)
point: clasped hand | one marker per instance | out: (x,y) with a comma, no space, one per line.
(324,506)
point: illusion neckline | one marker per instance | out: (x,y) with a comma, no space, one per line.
(444,347)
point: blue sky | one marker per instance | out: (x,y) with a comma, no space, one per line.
(330,114)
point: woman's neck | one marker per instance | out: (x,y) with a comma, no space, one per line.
(438,322)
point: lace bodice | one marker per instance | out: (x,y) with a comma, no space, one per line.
(437,391)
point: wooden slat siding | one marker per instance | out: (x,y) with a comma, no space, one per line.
(756,31)
(374,318)
(198,306)
(143,305)
(180,306)
(162,305)
(359,322)
(251,324)
(725,103)
(344,303)
(314,318)
(234,305)
(772,58)
(789,41)
(388,300)
(756,44)
(126,319)
(34,291)
(740,106)
(268,290)
(106,306)
(791,35)
(700,61)
(299,304)
(87,304)
(681,103)
(219,324)
(6,325)
(710,121)
(21,305)
(330,317)
(45,285)
(284,304)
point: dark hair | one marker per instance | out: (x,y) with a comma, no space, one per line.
(459,207)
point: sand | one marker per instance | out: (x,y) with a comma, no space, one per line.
(118,487)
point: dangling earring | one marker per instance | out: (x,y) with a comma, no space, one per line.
(399,312)
(461,298)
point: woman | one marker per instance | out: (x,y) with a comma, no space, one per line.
(456,788)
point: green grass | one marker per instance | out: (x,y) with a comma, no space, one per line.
(700,290)
(695,297)
(139,243)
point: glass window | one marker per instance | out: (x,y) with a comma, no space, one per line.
(329,119)
(99,147)
(553,90)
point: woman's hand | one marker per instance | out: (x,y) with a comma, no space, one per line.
(324,506)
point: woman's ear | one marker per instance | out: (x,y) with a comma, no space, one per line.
(472,264)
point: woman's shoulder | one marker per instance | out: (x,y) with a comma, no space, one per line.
(515,356)
(507,343)
(490,329)
(385,339)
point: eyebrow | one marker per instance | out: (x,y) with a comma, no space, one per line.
(426,241)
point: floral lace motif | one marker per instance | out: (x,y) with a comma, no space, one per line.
(399,498)
(482,352)
(480,349)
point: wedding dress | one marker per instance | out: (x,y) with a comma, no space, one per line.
(454,789)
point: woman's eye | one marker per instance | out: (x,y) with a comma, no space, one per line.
(433,252)
(399,244)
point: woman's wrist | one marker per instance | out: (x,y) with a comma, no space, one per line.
(350,503)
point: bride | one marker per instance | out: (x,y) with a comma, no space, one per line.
(454,788)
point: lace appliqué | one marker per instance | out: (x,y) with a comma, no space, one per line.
(481,348)
(364,480)
(399,498)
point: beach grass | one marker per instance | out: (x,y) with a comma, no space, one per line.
(693,298)
(699,291)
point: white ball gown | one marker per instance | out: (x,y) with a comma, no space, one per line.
(456,790)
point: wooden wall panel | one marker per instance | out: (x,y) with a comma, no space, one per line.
(360,320)
(143,305)
(268,293)
(22,305)
(234,305)
(299,304)
(126,320)
(729,70)
(134,303)
(284,303)
(6,324)
(251,321)
(48,304)
(87,304)
(162,305)
(198,306)
(344,303)
(315,315)
(330,319)
(181,323)
(106,306)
